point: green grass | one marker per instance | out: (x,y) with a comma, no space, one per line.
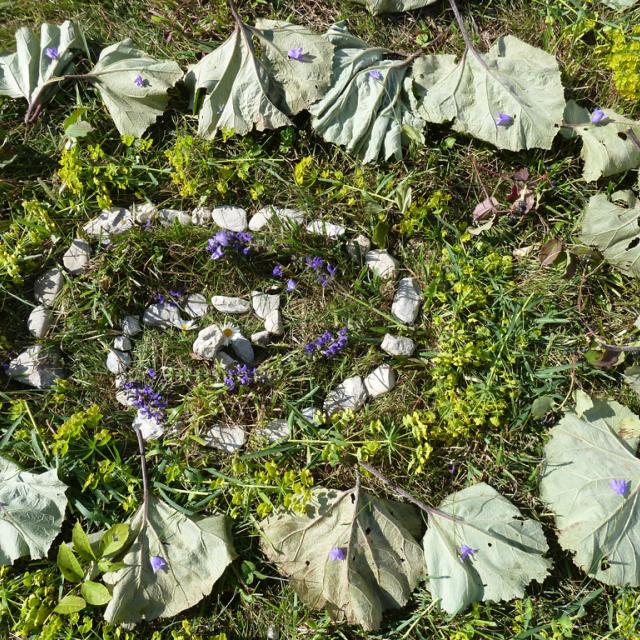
(496,333)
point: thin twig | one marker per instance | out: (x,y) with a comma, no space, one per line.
(234,13)
(145,478)
(465,35)
(432,511)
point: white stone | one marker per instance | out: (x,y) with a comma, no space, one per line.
(397,345)
(196,305)
(122,343)
(77,257)
(150,428)
(242,348)
(264,303)
(381,263)
(225,359)
(231,218)
(48,286)
(349,394)
(168,216)
(230,305)
(201,216)
(124,398)
(162,315)
(380,381)
(325,228)
(261,338)
(406,302)
(273,323)
(143,213)
(111,222)
(35,367)
(309,414)
(358,248)
(209,342)
(131,326)
(39,321)
(226,438)
(118,361)
(283,216)
(276,430)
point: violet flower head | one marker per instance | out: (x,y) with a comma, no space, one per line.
(159,298)
(176,293)
(337,553)
(621,487)
(224,240)
(151,373)
(597,116)
(52,53)
(314,262)
(376,74)
(291,285)
(504,120)
(242,375)
(139,81)
(149,402)
(466,552)
(295,53)
(157,563)
(278,271)
(328,344)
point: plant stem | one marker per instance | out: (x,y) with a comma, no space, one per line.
(145,479)
(432,511)
(465,35)
(234,13)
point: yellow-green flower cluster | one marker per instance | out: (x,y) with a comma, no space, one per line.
(624,62)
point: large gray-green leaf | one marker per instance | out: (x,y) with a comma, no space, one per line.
(196,553)
(607,147)
(619,5)
(25,72)
(378,7)
(31,511)
(590,481)
(513,78)
(487,551)
(303,81)
(614,229)
(371,103)
(381,559)
(133,86)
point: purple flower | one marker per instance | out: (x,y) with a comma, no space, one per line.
(151,373)
(328,344)
(376,74)
(223,239)
(157,563)
(337,553)
(295,53)
(139,81)
(291,285)
(243,374)
(466,552)
(52,53)
(597,116)
(453,468)
(621,487)
(176,293)
(504,120)
(159,298)
(149,402)
(314,262)
(278,271)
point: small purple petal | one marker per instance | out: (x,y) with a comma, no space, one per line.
(466,552)
(376,74)
(291,285)
(504,120)
(151,373)
(139,81)
(597,116)
(337,553)
(157,563)
(277,272)
(621,487)
(295,53)
(52,53)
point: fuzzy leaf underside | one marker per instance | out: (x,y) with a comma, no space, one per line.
(602,528)
(383,561)
(508,550)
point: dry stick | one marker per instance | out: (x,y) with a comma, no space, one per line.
(465,35)
(406,495)
(145,478)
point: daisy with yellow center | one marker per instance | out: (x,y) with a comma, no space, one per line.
(229,332)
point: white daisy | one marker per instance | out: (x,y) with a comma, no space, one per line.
(229,332)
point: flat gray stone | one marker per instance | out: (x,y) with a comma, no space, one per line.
(48,286)
(162,316)
(349,394)
(226,360)
(76,258)
(269,214)
(407,301)
(144,212)
(122,343)
(230,305)
(358,248)
(227,438)
(380,381)
(261,338)
(325,228)
(131,326)
(264,303)
(36,367)
(381,263)
(243,349)
(196,305)
(209,342)
(118,361)
(273,323)
(150,428)
(39,321)
(111,222)
(276,430)
(231,218)
(201,216)
(398,345)
(168,216)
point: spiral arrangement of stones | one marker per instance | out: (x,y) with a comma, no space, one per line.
(39,368)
